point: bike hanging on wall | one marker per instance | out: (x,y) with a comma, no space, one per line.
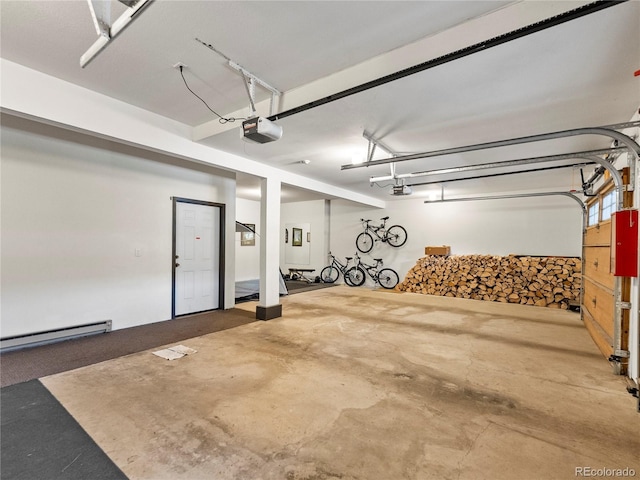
(395,235)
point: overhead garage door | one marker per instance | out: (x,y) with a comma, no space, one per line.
(599,284)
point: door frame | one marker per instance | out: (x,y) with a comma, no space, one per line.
(221,259)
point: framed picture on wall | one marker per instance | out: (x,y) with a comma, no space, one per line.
(296,240)
(248,239)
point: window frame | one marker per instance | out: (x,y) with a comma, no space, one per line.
(607,205)
(593,213)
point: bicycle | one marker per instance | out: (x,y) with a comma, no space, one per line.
(386,277)
(331,273)
(395,235)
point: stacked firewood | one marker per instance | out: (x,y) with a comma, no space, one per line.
(542,281)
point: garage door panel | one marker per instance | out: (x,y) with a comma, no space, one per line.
(600,305)
(599,336)
(598,235)
(597,265)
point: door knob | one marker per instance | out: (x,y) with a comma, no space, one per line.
(177,264)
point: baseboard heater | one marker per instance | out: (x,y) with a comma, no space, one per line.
(50,336)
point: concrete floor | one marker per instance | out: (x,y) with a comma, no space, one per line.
(360,384)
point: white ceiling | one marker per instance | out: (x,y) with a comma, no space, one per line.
(573,75)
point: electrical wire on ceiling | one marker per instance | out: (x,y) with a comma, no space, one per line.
(221,119)
(377,184)
(249,80)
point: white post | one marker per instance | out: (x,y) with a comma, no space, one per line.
(269,304)
(634,314)
(634,317)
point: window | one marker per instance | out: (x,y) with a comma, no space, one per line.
(608,202)
(593,213)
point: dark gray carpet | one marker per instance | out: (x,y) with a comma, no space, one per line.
(37,362)
(297,286)
(41,441)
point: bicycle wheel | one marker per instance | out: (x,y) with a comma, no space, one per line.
(347,278)
(355,276)
(396,236)
(329,274)
(364,242)
(388,278)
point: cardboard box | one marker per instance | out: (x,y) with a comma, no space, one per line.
(442,250)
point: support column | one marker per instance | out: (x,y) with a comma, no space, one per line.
(269,304)
(634,314)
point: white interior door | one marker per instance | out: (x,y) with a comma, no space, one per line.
(197,272)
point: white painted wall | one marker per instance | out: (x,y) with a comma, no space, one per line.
(537,226)
(313,214)
(74,209)
(248,257)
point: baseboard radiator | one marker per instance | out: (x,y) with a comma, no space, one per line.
(50,336)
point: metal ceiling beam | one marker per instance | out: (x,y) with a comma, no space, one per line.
(100,14)
(607,131)
(615,175)
(492,175)
(591,156)
(250,78)
(378,143)
(571,194)
(508,163)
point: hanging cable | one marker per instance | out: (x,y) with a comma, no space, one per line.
(377,184)
(221,119)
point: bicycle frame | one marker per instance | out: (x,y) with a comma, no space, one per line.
(338,265)
(369,268)
(384,276)
(375,229)
(331,272)
(372,268)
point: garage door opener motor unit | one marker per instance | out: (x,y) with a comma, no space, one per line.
(261,130)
